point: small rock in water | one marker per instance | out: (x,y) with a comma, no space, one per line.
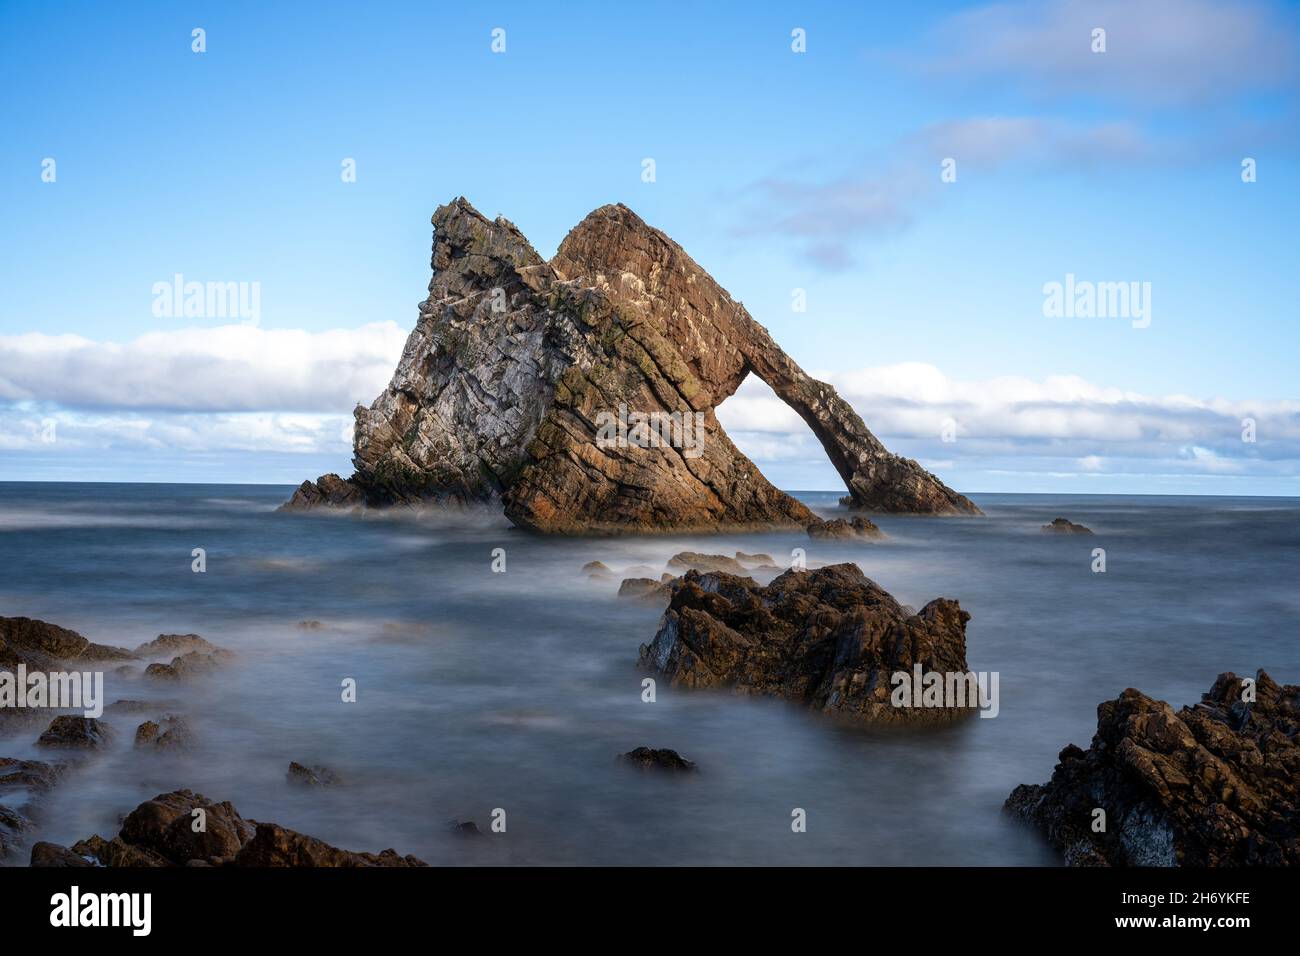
(650,758)
(170,732)
(313,776)
(597,569)
(70,731)
(759,560)
(189,665)
(171,645)
(467,829)
(858,527)
(311,625)
(1065,526)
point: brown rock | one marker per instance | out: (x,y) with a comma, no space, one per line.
(171,732)
(1216,784)
(645,589)
(70,731)
(274,845)
(51,854)
(516,368)
(172,645)
(190,665)
(857,527)
(829,638)
(695,561)
(37,644)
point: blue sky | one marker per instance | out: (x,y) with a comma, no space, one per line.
(776,171)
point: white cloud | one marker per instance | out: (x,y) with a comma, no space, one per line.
(1082,426)
(223,369)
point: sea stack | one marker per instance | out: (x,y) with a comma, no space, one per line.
(580,393)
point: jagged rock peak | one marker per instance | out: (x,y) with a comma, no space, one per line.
(580,393)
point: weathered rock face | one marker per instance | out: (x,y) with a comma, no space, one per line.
(1217,784)
(829,638)
(523,381)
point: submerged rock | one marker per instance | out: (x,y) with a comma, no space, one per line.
(466,829)
(161,832)
(1064,526)
(829,638)
(1215,784)
(314,776)
(580,393)
(649,758)
(172,645)
(857,527)
(597,569)
(189,665)
(754,561)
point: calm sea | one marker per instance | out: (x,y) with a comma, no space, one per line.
(480,690)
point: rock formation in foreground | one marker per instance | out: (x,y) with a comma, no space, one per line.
(160,832)
(1217,784)
(829,638)
(580,392)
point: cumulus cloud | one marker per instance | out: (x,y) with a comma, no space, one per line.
(228,368)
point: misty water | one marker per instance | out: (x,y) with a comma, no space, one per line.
(479,690)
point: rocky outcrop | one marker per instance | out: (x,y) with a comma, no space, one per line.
(1215,784)
(165,831)
(652,758)
(830,639)
(1064,526)
(580,393)
(37,644)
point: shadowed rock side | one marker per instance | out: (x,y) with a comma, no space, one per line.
(1217,784)
(829,638)
(503,383)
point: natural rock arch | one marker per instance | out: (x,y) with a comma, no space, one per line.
(515,364)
